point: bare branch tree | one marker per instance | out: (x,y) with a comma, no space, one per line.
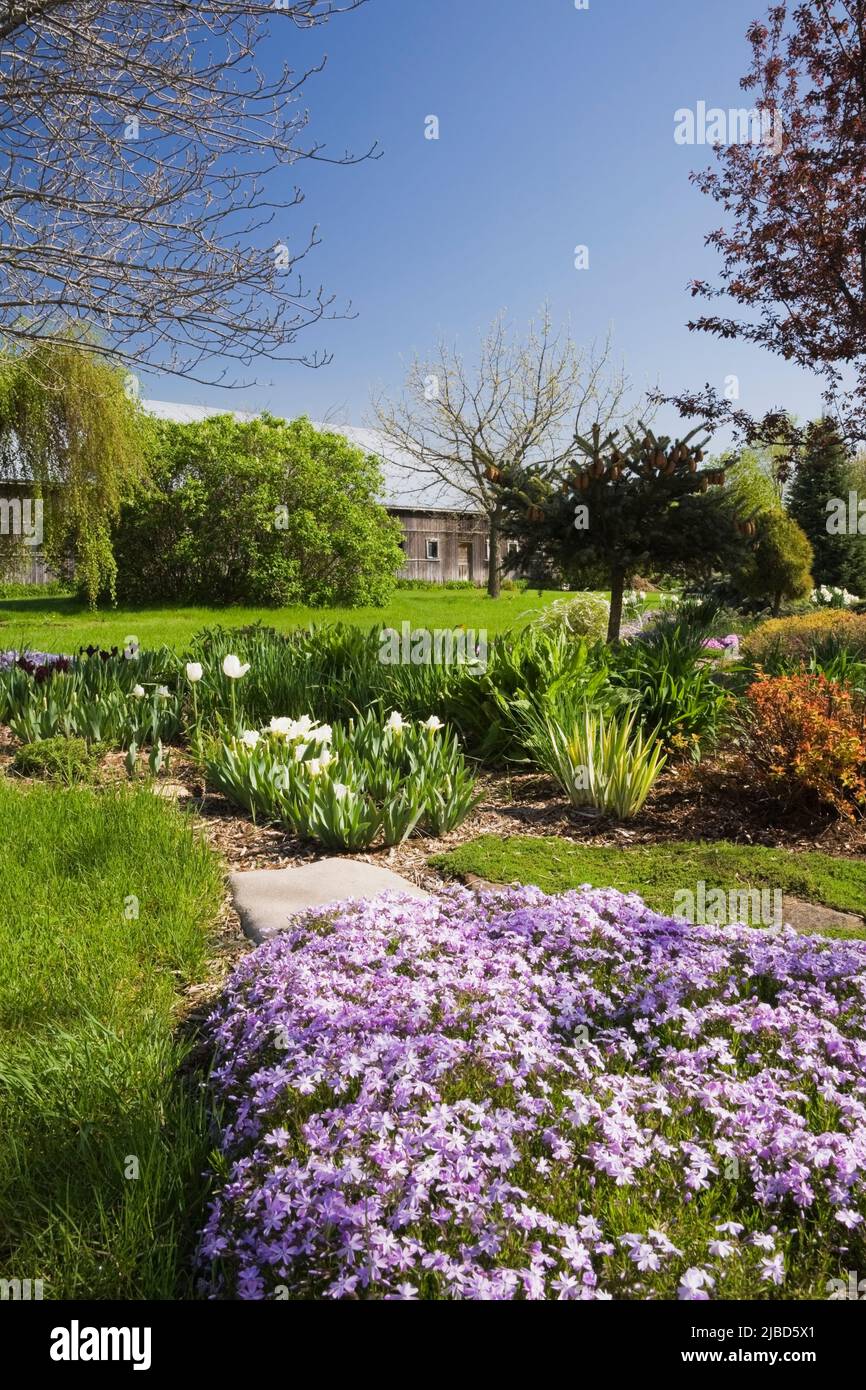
(144,180)
(464,425)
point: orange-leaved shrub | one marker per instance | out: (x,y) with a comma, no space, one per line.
(805,736)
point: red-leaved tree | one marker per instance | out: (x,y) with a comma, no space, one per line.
(793,249)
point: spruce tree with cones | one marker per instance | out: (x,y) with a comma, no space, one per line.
(625,504)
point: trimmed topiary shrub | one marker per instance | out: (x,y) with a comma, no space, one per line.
(779,565)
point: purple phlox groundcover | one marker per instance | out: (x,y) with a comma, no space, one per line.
(510,1095)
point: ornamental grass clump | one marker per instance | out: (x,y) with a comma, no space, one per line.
(580,615)
(602,762)
(348,787)
(509,1095)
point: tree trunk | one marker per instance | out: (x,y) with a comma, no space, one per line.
(777,605)
(617,589)
(494,578)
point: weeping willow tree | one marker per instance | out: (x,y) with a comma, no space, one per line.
(70,429)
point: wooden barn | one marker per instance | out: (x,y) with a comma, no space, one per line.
(443,538)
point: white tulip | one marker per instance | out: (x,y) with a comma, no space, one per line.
(138,691)
(324,733)
(194,672)
(233,668)
(326,757)
(280,726)
(341,791)
(314,767)
(434,724)
(303,725)
(395,722)
(163,691)
(250,738)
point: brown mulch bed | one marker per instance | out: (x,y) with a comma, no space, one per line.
(711,803)
(714,801)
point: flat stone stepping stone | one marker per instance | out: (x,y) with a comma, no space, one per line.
(809,917)
(171,791)
(266,899)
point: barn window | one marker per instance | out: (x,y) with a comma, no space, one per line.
(433,548)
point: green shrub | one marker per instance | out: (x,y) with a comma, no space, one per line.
(779,565)
(259,511)
(66,760)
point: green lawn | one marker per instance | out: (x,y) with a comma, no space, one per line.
(64,625)
(102,1146)
(658,872)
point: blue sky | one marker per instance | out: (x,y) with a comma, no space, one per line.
(556,129)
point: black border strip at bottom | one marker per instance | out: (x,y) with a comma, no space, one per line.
(154,1339)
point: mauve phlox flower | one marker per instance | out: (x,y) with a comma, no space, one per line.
(449,1099)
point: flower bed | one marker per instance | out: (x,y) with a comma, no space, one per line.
(518,1096)
(39,664)
(347,787)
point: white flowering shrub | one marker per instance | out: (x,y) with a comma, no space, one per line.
(830,596)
